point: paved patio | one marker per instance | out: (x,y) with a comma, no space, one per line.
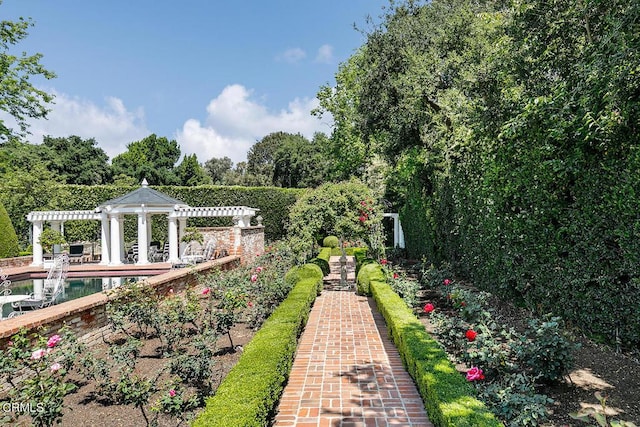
(347,372)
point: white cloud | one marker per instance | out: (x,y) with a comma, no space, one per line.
(112,125)
(235,121)
(292,55)
(325,54)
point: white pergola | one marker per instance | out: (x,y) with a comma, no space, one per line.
(143,202)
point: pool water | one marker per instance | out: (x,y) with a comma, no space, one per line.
(74,287)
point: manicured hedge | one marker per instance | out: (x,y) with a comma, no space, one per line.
(250,392)
(448,397)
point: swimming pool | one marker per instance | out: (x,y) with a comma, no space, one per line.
(74,287)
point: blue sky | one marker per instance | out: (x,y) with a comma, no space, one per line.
(214,75)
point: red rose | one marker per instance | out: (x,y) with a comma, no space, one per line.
(428,308)
(446,282)
(471,335)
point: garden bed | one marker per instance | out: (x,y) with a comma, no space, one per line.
(166,352)
(596,368)
(467,323)
(85,407)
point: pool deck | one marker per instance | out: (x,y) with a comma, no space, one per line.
(91,269)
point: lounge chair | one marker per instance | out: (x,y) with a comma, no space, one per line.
(209,250)
(192,253)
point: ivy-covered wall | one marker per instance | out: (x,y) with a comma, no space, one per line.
(273,203)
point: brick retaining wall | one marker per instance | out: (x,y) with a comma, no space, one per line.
(86,316)
(21,261)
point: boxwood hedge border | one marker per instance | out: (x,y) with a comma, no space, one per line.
(449,399)
(250,392)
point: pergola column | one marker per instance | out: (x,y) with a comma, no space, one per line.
(143,239)
(37,247)
(116,242)
(174,257)
(104,240)
(182,222)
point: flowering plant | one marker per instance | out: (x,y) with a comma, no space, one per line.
(471,335)
(475,374)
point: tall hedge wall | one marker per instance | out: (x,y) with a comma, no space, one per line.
(273,203)
(555,240)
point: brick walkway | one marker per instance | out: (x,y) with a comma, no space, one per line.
(347,372)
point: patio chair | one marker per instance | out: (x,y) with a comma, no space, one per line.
(192,253)
(165,252)
(209,250)
(132,254)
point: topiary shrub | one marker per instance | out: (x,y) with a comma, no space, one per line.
(8,238)
(331,242)
(368,273)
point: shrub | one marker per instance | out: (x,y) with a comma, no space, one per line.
(8,238)
(324,265)
(548,353)
(331,242)
(250,392)
(366,274)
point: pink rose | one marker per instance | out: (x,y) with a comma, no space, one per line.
(250,304)
(446,282)
(172,393)
(259,269)
(38,354)
(54,340)
(254,277)
(428,308)
(206,291)
(474,374)
(396,275)
(383,261)
(56,366)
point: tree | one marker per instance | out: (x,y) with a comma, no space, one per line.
(152,158)
(18,96)
(191,173)
(23,191)
(261,156)
(217,168)
(19,156)
(347,148)
(298,162)
(74,160)
(8,238)
(347,209)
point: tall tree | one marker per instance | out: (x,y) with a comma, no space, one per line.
(216,168)
(260,158)
(347,146)
(18,96)
(299,162)
(74,160)
(152,158)
(191,173)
